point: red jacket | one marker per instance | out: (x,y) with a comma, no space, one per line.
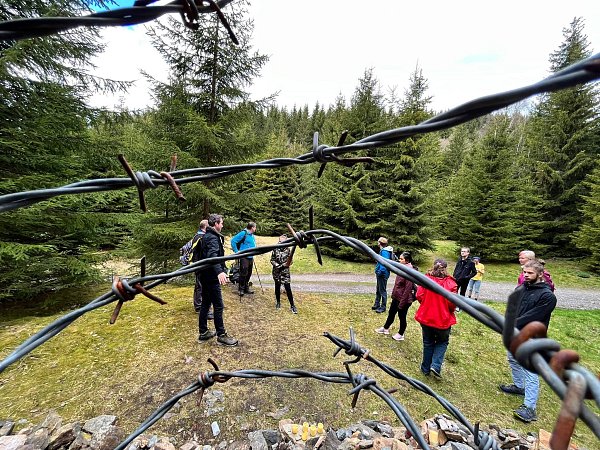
(434,310)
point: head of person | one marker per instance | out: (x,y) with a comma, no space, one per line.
(203,224)
(439,269)
(533,271)
(526,255)
(405,258)
(283,237)
(251,227)
(216,221)
(465,252)
(382,242)
(476,259)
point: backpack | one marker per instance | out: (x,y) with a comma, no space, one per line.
(393,256)
(413,293)
(187,251)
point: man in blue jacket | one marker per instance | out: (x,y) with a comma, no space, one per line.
(382,275)
(243,241)
(537,304)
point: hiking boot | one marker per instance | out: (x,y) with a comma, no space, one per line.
(380,310)
(228,341)
(375,307)
(206,336)
(294,310)
(525,414)
(382,330)
(436,373)
(511,389)
(277,305)
(398,337)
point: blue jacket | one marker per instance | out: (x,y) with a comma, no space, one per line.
(249,242)
(386,252)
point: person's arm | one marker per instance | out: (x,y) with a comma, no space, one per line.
(420,294)
(212,251)
(274,262)
(472,269)
(235,242)
(540,312)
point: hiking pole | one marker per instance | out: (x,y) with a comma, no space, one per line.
(258,276)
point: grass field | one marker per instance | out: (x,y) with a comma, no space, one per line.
(151,353)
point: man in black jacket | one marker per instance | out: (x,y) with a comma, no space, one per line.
(211,278)
(464,270)
(537,304)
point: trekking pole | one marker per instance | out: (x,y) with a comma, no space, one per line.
(258,276)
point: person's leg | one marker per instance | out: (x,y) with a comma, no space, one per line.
(218,307)
(442,337)
(402,312)
(391,314)
(384,293)
(532,389)
(428,344)
(518,373)
(245,274)
(476,287)
(470,287)
(288,291)
(377,293)
(463,286)
(277,293)
(197,293)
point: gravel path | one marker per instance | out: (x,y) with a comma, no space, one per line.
(346,283)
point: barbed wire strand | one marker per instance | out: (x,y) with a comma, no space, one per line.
(44,26)
(583,71)
(482,313)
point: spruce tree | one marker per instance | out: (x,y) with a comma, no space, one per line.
(588,236)
(564,142)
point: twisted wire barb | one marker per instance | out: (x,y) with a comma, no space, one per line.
(581,72)
(139,13)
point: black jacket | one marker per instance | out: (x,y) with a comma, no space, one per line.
(537,304)
(465,269)
(211,247)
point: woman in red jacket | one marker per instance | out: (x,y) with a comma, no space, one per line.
(402,298)
(436,316)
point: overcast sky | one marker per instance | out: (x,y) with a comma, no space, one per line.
(320,48)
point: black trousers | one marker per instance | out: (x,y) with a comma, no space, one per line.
(197,293)
(288,291)
(462,285)
(394,309)
(245,273)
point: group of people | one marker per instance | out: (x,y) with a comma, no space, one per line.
(436,314)
(208,299)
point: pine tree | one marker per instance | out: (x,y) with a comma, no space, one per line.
(564,143)
(588,236)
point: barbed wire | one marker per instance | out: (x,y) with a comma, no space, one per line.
(581,72)
(571,382)
(483,440)
(139,13)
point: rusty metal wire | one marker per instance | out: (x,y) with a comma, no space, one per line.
(582,72)
(360,382)
(139,13)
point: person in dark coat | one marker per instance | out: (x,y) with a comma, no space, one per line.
(537,304)
(402,298)
(464,270)
(281,261)
(211,279)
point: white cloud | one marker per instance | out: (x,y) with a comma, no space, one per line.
(319,48)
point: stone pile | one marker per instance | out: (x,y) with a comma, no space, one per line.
(102,433)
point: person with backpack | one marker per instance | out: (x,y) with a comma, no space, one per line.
(243,241)
(382,274)
(436,316)
(212,278)
(402,297)
(281,259)
(186,253)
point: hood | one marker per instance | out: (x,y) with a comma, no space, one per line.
(389,248)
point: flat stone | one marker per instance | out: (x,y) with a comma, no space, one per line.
(52,422)
(97,423)
(164,444)
(331,441)
(6,427)
(38,438)
(382,443)
(64,435)
(81,441)
(107,438)
(13,442)
(190,446)
(239,445)
(258,441)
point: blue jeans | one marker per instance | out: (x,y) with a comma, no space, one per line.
(211,295)
(435,343)
(474,286)
(525,379)
(381,294)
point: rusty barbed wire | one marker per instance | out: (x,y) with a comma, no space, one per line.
(581,72)
(359,381)
(139,13)
(531,351)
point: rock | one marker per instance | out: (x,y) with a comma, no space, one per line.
(107,438)
(272,437)
(364,431)
(163,444)
(239,445)
(459,446)
(38,438)
(215,429)
(190,446)
(81,441)
(64,435)
(365,443)
(13,442)
(6,427)
(331,441)
(279,413)
(349,444)
(95,424)
(258,441)
(382,443)
(511,442)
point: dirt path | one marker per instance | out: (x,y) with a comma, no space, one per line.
(346,283)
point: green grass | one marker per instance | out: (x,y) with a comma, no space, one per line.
(130,368)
